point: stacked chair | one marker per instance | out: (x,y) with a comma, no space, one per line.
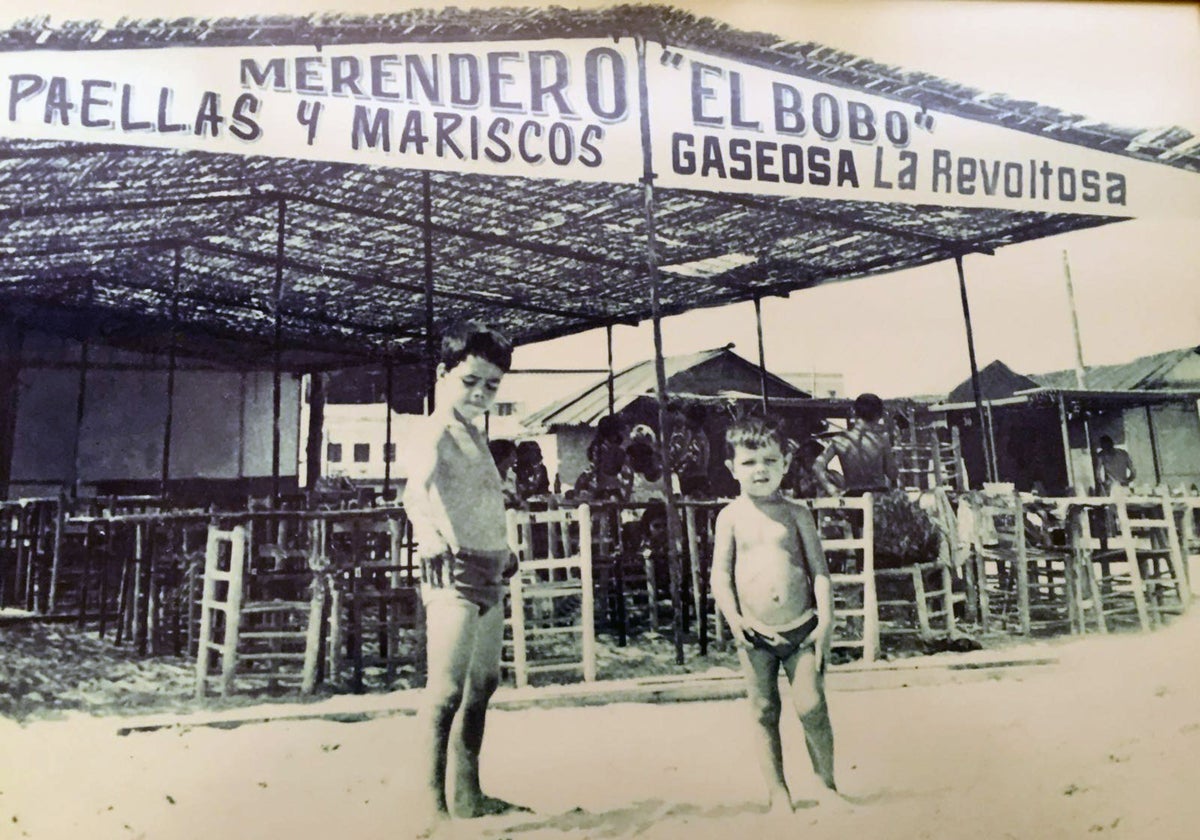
(1031,579)
(848,536)
(551,623)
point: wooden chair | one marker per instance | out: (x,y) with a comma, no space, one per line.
(270,616)
(848,537)
(551,619)
(1187,518)
(1031,576)
(376,622)
(1151,544)
(699,522)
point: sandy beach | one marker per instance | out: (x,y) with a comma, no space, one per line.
(1104,741)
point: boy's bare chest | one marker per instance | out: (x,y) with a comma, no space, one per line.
(757,530)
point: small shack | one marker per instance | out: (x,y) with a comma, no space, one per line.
(718,378)
(1045,428)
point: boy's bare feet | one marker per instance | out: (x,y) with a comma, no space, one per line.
(780,802)
(434,823)
(482,805)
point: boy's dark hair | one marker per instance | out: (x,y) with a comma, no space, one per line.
(868,407)
(475,338)
(755,433)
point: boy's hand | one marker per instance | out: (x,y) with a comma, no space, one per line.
(821,640)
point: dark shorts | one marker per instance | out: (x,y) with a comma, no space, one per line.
(795,639)
(478,577)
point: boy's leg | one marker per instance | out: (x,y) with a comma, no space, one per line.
(451,623)
(808,698)
(483,675)
(761,669)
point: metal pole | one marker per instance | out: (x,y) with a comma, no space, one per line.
(985,438)
(277,375)
(1080,370)
(762,355)
(171,363)
(660,374)
(612,393)
(427,240)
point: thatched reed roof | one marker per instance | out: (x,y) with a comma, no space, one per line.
(89,233)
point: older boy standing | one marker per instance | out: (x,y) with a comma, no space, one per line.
(455,501)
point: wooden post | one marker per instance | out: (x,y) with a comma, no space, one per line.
(587,613)
(1080,370)
(988,462)
(673,526)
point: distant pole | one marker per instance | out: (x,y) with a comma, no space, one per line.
(984,436)
(1080,371)
(762,354)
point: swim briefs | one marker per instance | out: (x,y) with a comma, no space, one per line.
(479,577)
(795,638)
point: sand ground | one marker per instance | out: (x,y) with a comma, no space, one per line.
(1105,742)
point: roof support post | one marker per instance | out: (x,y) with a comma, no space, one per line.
(762,354)
(388,452)
(427,242)
(277,372)
(168,422)
(984,436)
(660,375)
(612,392)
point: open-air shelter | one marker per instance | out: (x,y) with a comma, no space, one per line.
(302,193)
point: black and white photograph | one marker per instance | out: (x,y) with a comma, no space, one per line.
(678,420)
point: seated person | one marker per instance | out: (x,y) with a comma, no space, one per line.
(532,478)
(802,479)
(865,453)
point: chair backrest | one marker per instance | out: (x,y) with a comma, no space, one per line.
(848,538)
(554,567)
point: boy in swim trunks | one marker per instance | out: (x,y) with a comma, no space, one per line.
(455,500)
(770,581)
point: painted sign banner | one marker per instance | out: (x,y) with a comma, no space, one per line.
(569,109)
(561,109)
(726,126)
